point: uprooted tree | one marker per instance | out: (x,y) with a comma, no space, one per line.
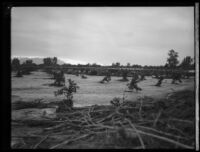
(67,91)
(107,78)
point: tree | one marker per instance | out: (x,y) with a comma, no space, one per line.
(113,65)
(59,78)
(50,61)
(187,62)
(54,60)
(67,91)
(124,75)
(94,65)
(29,62)
(172,60)
(15,63)
(128,64)
(47,61)
(117,64)
(19,74)
(88,65)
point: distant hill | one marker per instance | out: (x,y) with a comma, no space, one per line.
(36,60)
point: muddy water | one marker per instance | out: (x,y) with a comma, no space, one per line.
(31,87)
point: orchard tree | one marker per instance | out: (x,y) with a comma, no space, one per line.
(50,61)
(88,65)
(124,75)
(54,61)
(67,91)
(59,78)
(117,64)
(29,62)
(47,61)
(187,62)
(15,63)
(172,60)
(113,65)
(94,65)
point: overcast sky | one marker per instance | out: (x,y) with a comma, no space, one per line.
(103,35)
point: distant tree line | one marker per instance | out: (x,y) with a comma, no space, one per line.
(50,61)
(172,63)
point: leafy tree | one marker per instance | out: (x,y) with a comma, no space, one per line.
(172,60)
(187,62)
(136,66)
(94,65)
(54,61)
(15,63)
(50,61)
(128,64)
(28,66)
(19,74)
(88,65)
(79,65)
(124,75)
(59,78)
(117,64)
(47,61)
(29,62)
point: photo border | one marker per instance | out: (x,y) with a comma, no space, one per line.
(6,51)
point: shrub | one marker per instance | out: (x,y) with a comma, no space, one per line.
(116,102)
(68,94)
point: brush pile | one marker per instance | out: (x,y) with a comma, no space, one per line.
(142,124)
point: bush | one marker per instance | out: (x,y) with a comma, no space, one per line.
(68,94)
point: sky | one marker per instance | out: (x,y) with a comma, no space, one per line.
(103,35)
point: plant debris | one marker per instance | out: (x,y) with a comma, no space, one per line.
(142,124)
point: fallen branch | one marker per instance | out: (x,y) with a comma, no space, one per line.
(40,142)
(140,138)
(160,132)
(68,141)
(158,116)
(180,120)
(167,140)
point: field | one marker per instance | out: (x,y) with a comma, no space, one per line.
(91,92)
(94,123)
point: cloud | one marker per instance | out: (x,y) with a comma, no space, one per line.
(139,35)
